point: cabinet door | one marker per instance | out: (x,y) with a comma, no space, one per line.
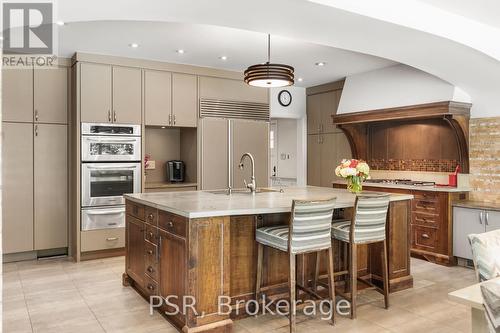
(342,148)
(51,186)
(329,104)
(314,114)
(184,100)
(313,160)
(127,95)
(172,269)
(252,137)
(214,146)
(157,98)
(466,221)
(17,194)
(51,95)
(493,220)
(95,93)
(135,249)
(328,147)
(17,95)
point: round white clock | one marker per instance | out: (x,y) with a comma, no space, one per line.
(285,98)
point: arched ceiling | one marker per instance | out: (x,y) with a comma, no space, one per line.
(468,60)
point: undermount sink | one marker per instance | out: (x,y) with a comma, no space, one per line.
(244,191)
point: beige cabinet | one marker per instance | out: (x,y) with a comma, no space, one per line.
(184,100)
(95,93)
(252,137)
(320,108)
(110,94)
(324,153)
(51,95)
(127,95)
(214,150)
(50,186)
(17,95)
(17,192)
(231,90)
(157,98)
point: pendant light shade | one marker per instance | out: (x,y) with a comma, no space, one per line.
(269,75)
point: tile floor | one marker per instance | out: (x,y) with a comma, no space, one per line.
(61,296)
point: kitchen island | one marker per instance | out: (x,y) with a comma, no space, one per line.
(202,244)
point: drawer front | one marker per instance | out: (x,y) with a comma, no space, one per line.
(151,234)
(151,260)
(174,224)
(424,238)
(426,195)
(151,215)
(150,286)
(151,269)
(425,206)
(135,209)
(426,220)
(103,239)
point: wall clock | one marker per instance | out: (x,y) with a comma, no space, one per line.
(285,98)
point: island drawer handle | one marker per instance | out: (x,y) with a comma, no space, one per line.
(151,234)
(150,269)
(151,287)
(109,239)
(170,224)
(151,216)
(150,252)
(425,236)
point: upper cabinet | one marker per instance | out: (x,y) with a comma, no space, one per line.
(184,100)
(17,99)
(51,95)
(110,94)
(127,95)
(320,108)
(231,90)
(170,99)
(157,98)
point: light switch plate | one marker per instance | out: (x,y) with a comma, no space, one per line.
(151,165)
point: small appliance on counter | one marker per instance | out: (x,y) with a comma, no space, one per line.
(175,171)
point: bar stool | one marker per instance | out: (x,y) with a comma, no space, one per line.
(309,231)
(367,226)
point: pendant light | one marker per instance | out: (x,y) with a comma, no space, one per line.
(269,75)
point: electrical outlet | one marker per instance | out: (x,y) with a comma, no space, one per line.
(151,165)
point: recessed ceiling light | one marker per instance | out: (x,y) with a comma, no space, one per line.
(223,58)
(321,63)
(180,51)
(133,45)
(300,79)
(60,23)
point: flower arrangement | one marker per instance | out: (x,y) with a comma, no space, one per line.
(355,172)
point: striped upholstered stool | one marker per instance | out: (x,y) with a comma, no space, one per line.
(368,225)
(309,230)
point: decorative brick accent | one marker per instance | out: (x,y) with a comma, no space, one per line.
(484,154)
(414,165)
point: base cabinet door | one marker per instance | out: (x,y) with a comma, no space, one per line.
(492,220)
(466,221)
(135,249)
(50,186)
(172,271)
(17,191)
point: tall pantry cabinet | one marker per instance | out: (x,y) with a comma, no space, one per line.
(326,144)
(34,155)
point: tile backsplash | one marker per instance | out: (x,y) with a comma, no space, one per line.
(484,154)
(414,165)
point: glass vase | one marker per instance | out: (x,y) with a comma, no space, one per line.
(354,184)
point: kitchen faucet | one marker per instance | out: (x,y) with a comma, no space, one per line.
(252,185)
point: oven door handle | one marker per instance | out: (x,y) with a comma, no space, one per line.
(106,212)
(108,140)
(112,167)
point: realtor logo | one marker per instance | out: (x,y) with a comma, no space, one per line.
(27,28)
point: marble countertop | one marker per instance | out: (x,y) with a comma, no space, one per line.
(470,295)
(411,187)
(199,204)
(476,204)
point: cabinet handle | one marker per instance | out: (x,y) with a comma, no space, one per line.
(425,236)
(481,217)
(175,119)
(150,269)
(321,128)
(36,130)
(36,115)
(158,251)
(109,115)
(170,224)
(151,287)
(170,119)
(114,116)
(150,216)
(486,218)
(150,252)
(109,239)
(151,234)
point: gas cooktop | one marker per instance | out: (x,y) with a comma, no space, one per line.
(401,182)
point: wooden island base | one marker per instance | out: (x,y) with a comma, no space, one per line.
(168,254)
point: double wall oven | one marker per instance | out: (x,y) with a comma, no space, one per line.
(111,167)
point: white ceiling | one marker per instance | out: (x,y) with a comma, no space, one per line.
(204,44)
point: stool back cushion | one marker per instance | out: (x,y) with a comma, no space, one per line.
(370,218)
(310,225)
(486,254)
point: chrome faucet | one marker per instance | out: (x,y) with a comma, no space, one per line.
(252,185)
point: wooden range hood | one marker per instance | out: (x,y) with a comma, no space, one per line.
(450,115)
